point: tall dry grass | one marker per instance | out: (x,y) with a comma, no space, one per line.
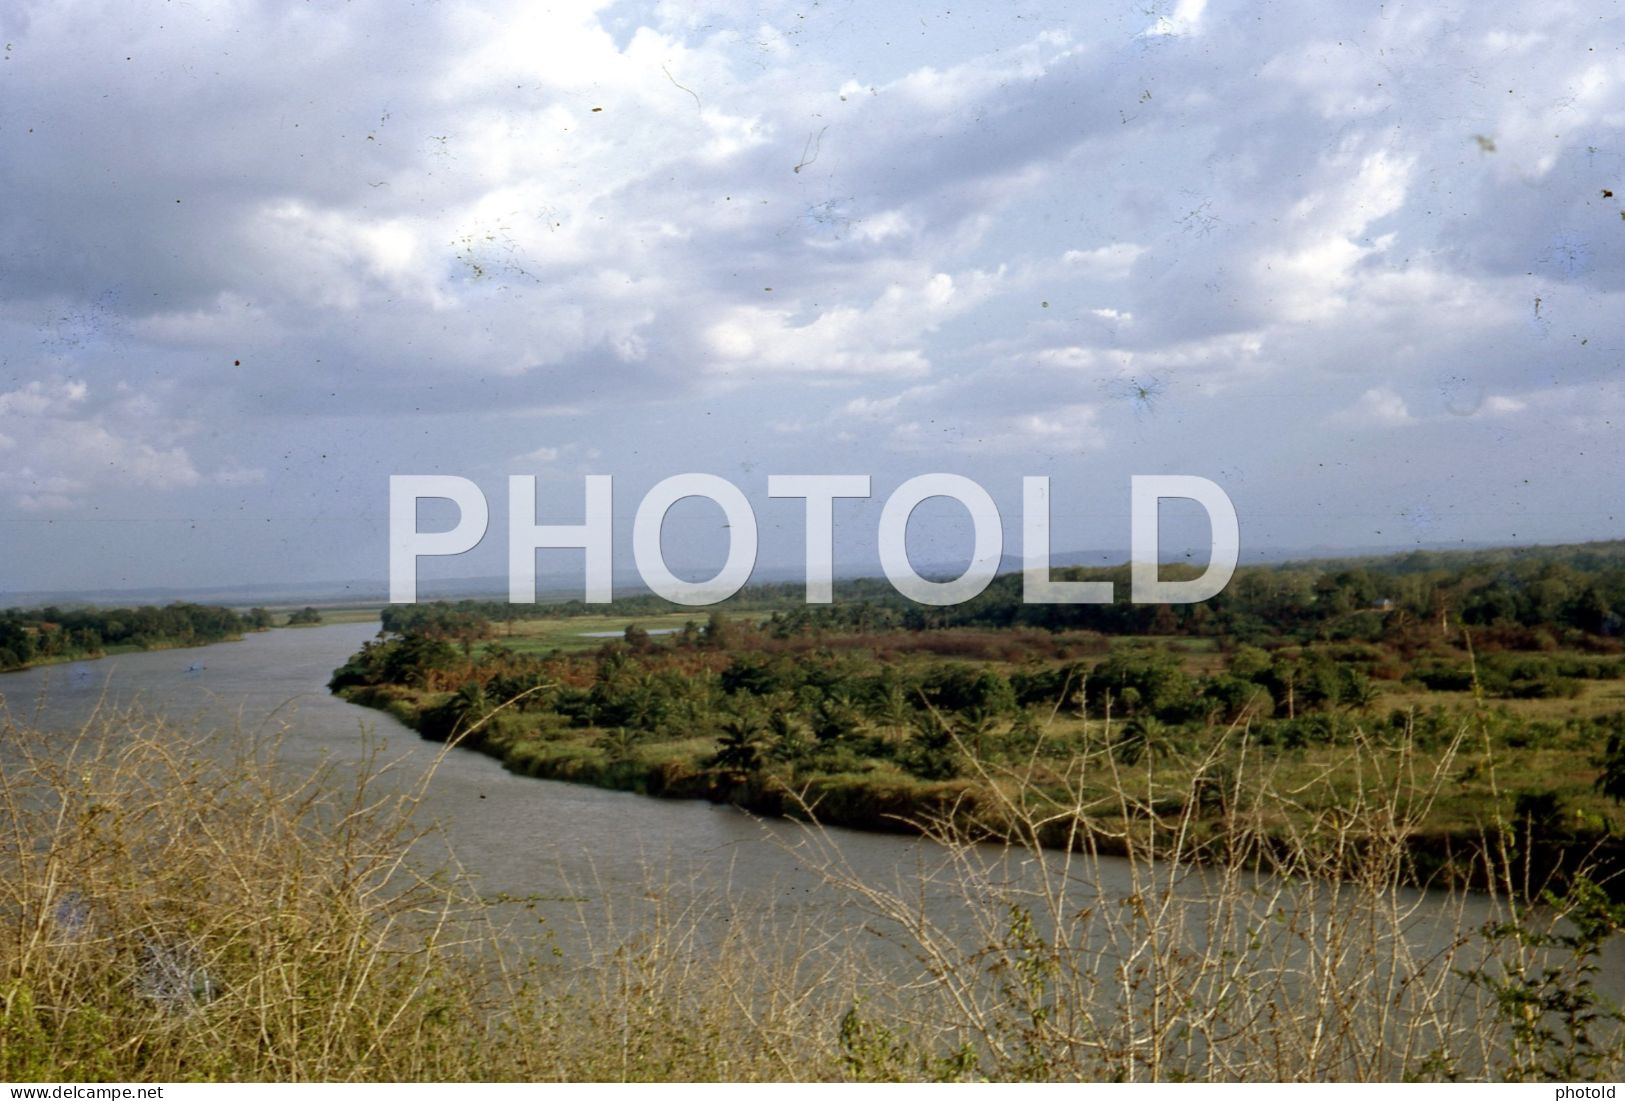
(167,913)
(1105,937)
(172,912)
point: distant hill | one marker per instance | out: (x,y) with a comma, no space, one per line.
(1604,554)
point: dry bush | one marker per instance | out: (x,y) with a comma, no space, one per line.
(171,910)
(175,909)
(1066,935)
(167,913)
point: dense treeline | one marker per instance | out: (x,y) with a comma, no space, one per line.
(834,703)
(884,708)
(57,634)
(876,731)
(437,616)
(1537,598)
(1397,601)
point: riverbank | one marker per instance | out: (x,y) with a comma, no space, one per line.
(115,651)
(1324,831)
(52,635)
(256,925)
(675,772)
(672,939)
(1494,759)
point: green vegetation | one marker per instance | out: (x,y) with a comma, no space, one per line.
(866,714)
(169,915)
(57,634)
(1529,599)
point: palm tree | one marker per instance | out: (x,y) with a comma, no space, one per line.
(932,752)
(469,706)
(892,707)
(1143,736)
(619,744)
(743,744)
(837,717)
(979,723)
(1361,693)
(788,735)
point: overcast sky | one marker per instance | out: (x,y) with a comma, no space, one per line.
(1361,265)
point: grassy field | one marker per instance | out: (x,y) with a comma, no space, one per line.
(332,615)
(882,731)
(569,633)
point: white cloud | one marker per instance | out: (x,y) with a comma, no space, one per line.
(40,398)
(1059,428)
(1186,18)
(72,445)
(1380,406)
(238,476)
(885,337)
(497,213)
(1113,261)
(1501,405)
(871,408)
(1309,277)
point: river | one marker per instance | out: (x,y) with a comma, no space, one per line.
(586,858)
(516,836)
